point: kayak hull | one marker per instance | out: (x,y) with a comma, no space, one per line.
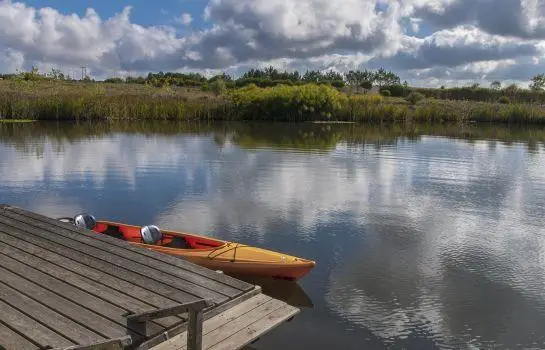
(228,257)
(292,271)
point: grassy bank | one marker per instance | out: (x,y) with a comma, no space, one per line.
(71,100)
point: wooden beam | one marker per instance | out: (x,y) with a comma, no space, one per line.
(208,313)
(169,311)
(110,344)
(194,330)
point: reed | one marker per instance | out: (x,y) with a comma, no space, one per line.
(70,100)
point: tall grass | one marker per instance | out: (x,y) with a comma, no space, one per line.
(51,100)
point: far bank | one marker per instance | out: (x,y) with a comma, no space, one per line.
(72,100)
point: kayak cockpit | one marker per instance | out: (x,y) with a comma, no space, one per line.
(152,235)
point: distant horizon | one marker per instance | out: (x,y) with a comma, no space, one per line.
(426,42)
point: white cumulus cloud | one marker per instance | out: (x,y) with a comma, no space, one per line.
(438,37)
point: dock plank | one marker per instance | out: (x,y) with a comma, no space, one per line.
(44,315)
(11,340)
(238,326)
(99,290)
(263,325)
(105,267)
(74,304)
(104,253)
(34,330)
(170,261)
(217,335)
(144,295)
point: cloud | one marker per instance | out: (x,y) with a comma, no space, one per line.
(518,18)
(410,37)
(184,19)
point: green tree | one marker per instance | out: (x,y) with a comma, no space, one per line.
(538,82)
(495,85)
(363,79)
(218,87)
(385,78)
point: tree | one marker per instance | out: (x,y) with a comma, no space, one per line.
(218,87)
(538,82)
(313,76)
(385,78)
(363,79)
(495,85)
(511,89)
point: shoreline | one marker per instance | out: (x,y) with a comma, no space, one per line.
(26,101)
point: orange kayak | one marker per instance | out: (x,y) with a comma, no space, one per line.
(229,257)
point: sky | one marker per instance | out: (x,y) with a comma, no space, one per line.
(426,42)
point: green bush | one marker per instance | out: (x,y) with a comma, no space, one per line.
(415,97)
(282,102)
(218,87)
(504,100)
(385,93)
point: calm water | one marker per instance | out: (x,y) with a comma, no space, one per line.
(424,237)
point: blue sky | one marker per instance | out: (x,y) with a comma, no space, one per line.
(144,12)
(427,42)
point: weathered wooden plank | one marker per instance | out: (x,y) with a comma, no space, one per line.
(30,328)
(69,305)
(104,253)
(173,310)
(238,326)
(217,335)
(105,267)
(165,258)
(208,314)
(217,321)
(254,330)
(44,315)
(99,290)
(110,344)
(143,296)
(11,340)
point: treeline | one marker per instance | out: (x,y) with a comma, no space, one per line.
(266,77)
(355,81)
(271,76)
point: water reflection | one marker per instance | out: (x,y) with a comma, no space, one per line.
(424,236)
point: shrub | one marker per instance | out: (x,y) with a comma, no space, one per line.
(503,100)
(415,97)
(218,87)
(385,93)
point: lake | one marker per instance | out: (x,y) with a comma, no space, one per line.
(424,236)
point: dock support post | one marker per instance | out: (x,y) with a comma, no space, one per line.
(194,330)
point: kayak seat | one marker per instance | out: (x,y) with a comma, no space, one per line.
(113,231)
(178,242)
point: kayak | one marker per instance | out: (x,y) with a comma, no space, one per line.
(229,257)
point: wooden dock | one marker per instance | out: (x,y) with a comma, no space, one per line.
(67,288)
